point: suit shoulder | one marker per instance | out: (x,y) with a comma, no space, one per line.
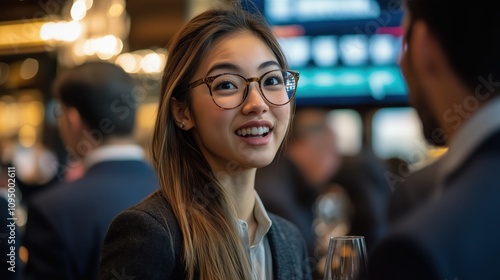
(60,193)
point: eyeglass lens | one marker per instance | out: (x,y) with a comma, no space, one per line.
(229,90)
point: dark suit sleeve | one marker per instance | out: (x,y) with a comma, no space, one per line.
(137,246)
(398,258)
(48,257)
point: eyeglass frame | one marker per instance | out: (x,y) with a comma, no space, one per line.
(407,34)
(210,79)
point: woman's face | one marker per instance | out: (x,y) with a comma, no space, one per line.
(218,132)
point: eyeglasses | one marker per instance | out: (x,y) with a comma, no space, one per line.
(230,90)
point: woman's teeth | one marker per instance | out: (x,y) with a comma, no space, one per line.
(253,131)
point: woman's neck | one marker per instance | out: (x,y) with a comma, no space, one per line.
(241,190)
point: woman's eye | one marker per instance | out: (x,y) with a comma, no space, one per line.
(225,85)
(272,81)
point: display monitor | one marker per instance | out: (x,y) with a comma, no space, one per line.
(346,51)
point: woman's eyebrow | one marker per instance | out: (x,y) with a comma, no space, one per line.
(233,67)
(269,63)
(224,66)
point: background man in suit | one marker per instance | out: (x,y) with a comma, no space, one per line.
(452,66)
(312,173)
(67,223)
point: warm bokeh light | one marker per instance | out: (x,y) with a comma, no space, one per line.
(61,31)
(29,68)
(144,61)
(70,31)
(146,115)
(131,63)
(397,132)
(348,128)
(9,112)
(48,30)
(88,3)
(78,10)
(87,47)
(31,113)
(107,46)
(27,136)
(23,254)
(153,63)
(116,9)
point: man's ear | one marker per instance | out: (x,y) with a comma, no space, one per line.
(182,114)
(75,121)
(429,60)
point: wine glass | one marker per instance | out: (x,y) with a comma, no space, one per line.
(346,258)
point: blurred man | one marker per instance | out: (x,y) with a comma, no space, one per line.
(67,223)
(291,184)
(452,67)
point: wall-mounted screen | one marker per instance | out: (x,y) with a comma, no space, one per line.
(346,51)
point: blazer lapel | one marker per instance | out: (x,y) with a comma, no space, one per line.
(281,255)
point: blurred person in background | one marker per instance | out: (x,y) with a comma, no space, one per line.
(454,84)
(363,178)
(67,223)
(291,184)
(324,193)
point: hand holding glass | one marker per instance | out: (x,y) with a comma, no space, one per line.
(346,258)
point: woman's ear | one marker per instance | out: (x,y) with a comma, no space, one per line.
(182,114)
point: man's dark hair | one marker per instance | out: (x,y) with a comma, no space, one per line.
(102,93)
(469,33)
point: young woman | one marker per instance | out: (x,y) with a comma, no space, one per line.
(224,111)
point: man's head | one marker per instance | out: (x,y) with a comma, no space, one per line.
(451,61)
(312,146)
(97,105)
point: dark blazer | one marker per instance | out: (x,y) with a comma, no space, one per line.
(411,192)
(454,236)
(145,242)
(67,223)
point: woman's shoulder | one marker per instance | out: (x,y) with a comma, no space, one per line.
(282,223)
(283,227)
(153,204)
(154,209)
(285,231)
(145,239)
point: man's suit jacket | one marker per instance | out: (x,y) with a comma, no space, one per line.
(454,236)
(67,223)
(411,192)
(145,242)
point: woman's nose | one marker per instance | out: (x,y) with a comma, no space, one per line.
(255,102)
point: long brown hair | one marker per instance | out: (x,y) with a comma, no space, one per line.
(212,248)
